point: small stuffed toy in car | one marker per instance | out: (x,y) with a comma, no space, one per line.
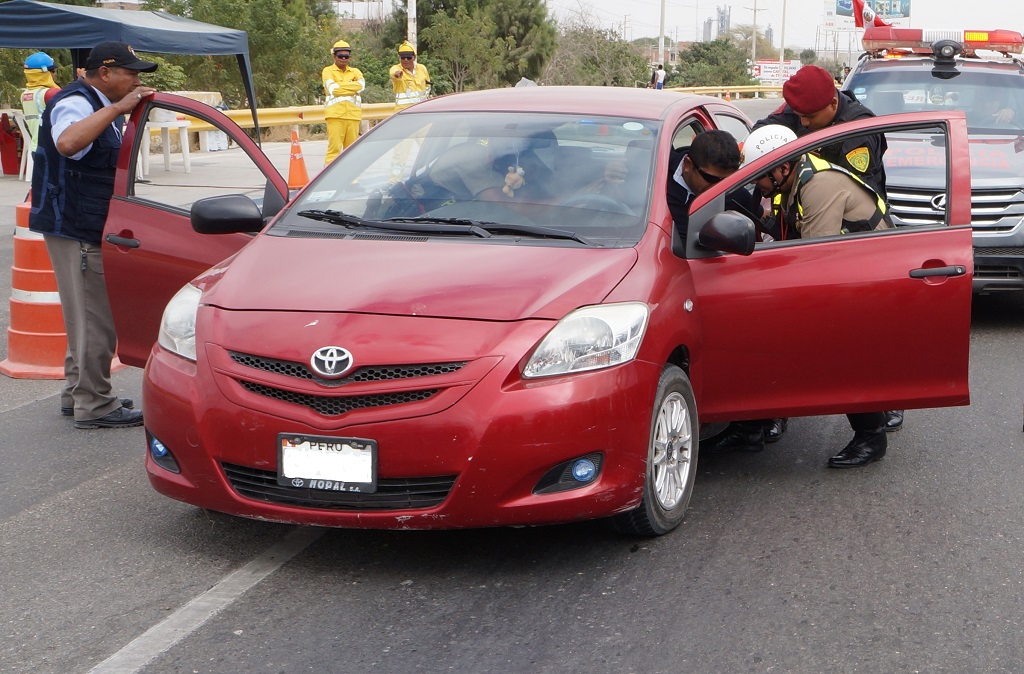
(513,180)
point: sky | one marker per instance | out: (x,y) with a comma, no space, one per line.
(803,17)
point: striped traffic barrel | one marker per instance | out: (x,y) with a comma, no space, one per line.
(36,341)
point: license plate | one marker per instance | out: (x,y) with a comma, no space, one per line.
(327,463)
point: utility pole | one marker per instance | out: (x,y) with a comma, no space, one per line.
(782,42)
(411,26)
(661,34)
(753,36)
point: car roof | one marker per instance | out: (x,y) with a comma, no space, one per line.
(612,101)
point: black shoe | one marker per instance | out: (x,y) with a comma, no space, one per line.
(738,437)
(866,446)
(893,421)
(122,417)
(70,411)
(774,429)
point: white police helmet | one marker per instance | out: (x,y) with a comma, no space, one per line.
(763,140)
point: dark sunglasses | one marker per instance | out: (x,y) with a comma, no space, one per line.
(407,58)
(708,178)
(341,56)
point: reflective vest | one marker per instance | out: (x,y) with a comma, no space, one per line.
(410,87)
(33,101)
(342,88)
(813,164)
(70,198)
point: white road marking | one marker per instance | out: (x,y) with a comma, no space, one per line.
(190,617)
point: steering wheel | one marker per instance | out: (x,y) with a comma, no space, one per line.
(597,202)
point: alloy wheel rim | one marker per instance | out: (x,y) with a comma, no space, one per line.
(673,451)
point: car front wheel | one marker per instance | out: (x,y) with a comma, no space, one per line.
(671,460)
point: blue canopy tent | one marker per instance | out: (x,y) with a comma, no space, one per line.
(28,24)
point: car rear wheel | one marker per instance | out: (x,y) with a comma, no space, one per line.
(671,460)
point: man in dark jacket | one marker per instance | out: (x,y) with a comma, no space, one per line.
(72,184)
(711,157)
(813,103)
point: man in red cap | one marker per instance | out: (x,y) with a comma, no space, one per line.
(813,103)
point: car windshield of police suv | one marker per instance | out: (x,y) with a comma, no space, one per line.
(519,179)
(983,76)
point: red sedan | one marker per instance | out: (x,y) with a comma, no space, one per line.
(481,314)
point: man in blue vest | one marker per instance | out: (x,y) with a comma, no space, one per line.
(72,184)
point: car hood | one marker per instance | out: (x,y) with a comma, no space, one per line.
(436,279)
(995,161)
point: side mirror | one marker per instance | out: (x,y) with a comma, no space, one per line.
(226,214)
(728,232)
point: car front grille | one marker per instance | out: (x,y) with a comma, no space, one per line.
(994,211)
(290,368)
(392,493)
(332,406)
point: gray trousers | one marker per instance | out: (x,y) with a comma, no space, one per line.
(89,324)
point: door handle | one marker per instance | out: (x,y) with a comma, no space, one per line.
(954,270)
(128,243)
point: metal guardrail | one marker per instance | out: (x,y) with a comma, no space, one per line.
(375,112)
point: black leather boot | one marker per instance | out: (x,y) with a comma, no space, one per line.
(741,436)
(774,429)
(866,446)
(893,421)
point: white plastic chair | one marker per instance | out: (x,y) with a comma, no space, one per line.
(25,172)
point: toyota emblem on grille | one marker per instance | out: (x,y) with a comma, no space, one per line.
(939,202)
(331,362)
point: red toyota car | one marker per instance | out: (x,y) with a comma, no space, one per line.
(481,314)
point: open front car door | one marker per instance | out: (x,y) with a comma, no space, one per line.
(149,247)
(848,323)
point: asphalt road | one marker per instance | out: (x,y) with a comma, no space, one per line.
(912,564)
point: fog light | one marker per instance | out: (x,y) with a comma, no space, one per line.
(162,456)
(584,470)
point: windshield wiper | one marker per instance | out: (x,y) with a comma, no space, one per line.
(405,225)
(538,231)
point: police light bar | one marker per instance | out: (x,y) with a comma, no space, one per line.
(919,40)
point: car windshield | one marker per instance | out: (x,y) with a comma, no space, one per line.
(992,100)
(547,177)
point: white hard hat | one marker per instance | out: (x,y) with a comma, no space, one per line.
(763,140)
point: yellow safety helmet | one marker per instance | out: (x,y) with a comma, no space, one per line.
(340,44)
(406,48)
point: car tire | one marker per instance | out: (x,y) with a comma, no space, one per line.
(671,460)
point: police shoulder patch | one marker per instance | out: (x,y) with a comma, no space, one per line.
(859,158)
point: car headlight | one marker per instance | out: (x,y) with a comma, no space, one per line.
(178,325)
(590,338)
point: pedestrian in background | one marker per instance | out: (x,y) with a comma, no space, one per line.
(39,90)
(659,77)
(343,108)
(72,184)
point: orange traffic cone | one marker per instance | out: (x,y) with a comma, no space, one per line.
(297,176)
(36,341)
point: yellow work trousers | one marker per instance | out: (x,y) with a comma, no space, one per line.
(340,134)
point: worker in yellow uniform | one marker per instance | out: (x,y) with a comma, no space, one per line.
(39,89)
(411,83)
(410,79)
(343,107)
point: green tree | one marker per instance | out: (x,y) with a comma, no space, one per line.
(808,56)
(529,37)
(463,46)
(589,55)
(713,63)
(740,36)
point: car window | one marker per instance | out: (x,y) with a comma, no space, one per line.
(170,172)
(685,134)
(981,93)
(587,174)
(733,125)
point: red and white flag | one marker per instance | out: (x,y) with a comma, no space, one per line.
(864,15)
